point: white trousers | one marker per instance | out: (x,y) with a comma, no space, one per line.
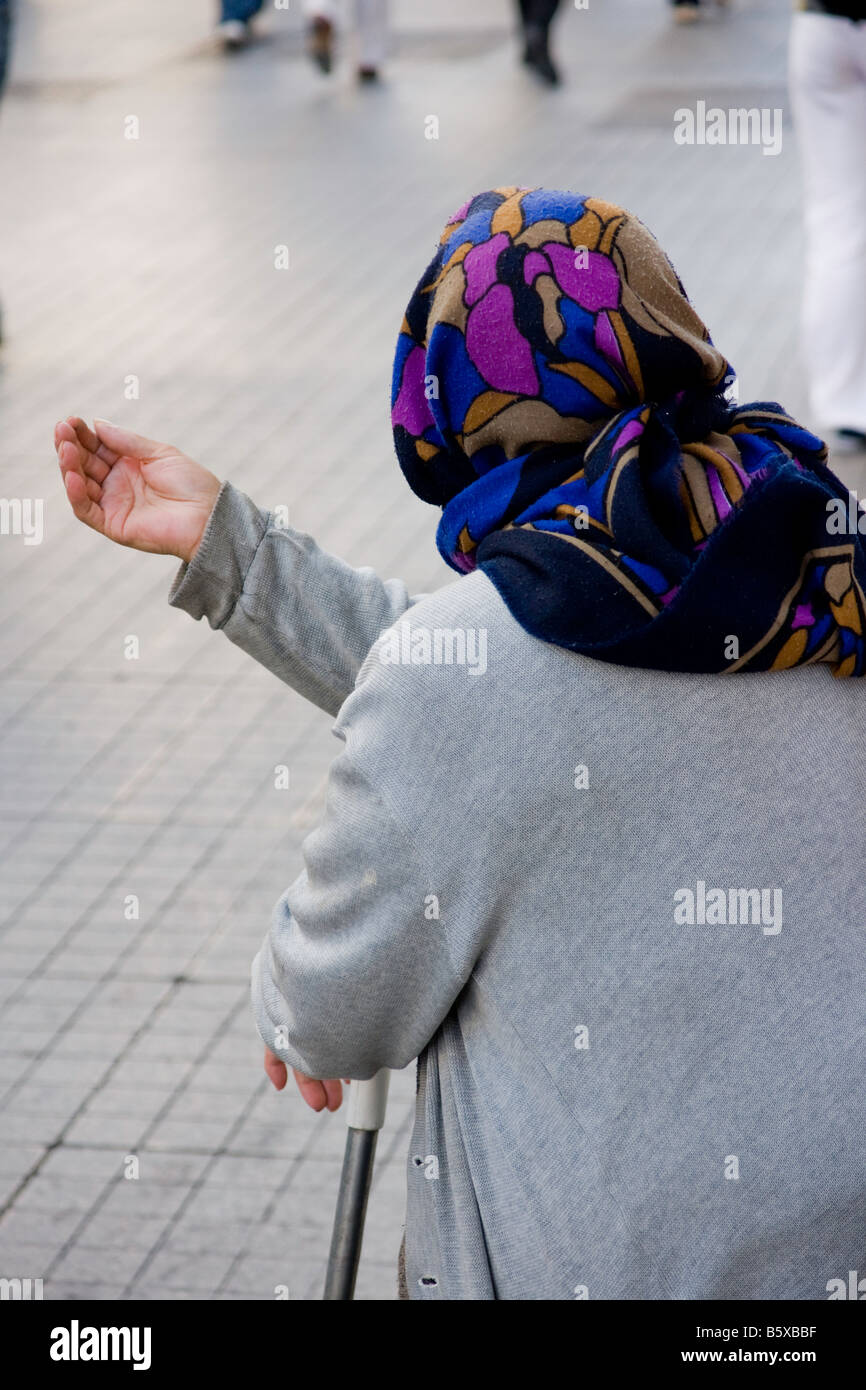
(828,94)
(371,22)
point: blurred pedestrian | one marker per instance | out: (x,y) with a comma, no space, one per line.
(234,27)
(4,39)
(371,24)
(828,92)
(536,17)
(5,23)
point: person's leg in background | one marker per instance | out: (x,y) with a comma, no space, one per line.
(371,19)
(5,21)
(828,92)
(686,11)
(4,41)
(234,22)
(320,17)
(536,17)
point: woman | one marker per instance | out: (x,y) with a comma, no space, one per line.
(599,864)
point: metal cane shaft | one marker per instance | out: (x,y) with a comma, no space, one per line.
(365,1117)
(351,1212)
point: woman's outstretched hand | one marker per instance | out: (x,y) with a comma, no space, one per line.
(133,490)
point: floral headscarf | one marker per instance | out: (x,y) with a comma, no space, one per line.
(556,394)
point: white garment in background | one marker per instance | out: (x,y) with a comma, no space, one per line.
(828,91)
(371,22)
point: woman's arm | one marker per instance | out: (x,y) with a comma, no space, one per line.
(305,615)
(374,941)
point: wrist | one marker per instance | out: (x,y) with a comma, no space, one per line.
(206,512)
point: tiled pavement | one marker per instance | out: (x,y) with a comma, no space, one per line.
(128,1041)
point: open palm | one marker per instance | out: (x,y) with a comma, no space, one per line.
(133,490)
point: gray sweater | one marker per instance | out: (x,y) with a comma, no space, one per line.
(617,915)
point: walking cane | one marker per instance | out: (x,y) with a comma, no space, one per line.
(365,1117)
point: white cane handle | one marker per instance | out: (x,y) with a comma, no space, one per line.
(367,1101)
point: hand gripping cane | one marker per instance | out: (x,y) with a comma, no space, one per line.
(365,1117)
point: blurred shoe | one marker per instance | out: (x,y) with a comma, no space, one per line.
(234,33)
(368,74)
(537,56)
(845,441)
(320,43)
(686,14)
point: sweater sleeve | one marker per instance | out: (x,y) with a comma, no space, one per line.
(371,946)
(355,973)
(307,616)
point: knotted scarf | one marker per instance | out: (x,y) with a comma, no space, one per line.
(556,394)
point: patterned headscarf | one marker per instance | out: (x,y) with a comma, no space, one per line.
(556,394)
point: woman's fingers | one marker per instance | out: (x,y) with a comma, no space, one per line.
(312,1091)
(65,434)
(98,457)
(333,1093)
(319,1095)
(275,1070)
(95,460)
(83,490)
(123,441)
(85,507)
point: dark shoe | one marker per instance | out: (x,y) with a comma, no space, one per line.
(537,57)
(234,33)
(368,75)
(320,43)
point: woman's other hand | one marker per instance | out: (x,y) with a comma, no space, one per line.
(319,1095)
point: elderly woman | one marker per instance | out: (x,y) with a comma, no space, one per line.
(605,884)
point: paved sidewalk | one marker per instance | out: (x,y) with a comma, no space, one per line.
(126,1044)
